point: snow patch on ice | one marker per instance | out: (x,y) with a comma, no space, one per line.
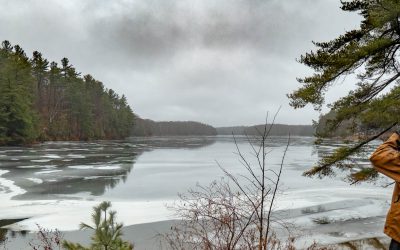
(109,167)
(9,189)
(48,171)
(51,156)
(43,160)
(67,215)
(35,180)
(76,156)
(81,167)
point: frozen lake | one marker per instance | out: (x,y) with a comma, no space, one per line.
(56,184)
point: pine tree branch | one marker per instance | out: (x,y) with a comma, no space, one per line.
(327,162)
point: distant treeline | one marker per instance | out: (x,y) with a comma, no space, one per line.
(276,129)
(145,127)
(43,101)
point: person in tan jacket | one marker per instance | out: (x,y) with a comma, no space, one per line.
(386,160)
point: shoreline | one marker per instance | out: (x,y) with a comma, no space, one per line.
(146,236)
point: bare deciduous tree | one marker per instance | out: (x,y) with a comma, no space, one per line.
(234,212)
(47,239)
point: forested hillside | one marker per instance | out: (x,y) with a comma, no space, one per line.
(357,128)
(44,101)
(346,128)
(277,129)
(145,127)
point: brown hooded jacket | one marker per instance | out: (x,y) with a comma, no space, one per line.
(386,160)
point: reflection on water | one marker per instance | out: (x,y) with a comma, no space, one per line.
(138,175)
(67,169)
(71,170)
(76,170)
(6,234)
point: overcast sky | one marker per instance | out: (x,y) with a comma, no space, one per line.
(221,62)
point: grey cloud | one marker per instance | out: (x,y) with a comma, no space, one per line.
(223,62)
(156,30)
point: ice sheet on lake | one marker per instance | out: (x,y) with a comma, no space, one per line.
(348,209)
(51,156)
(76,156)
(37,166)
(43,160)
(49,171)
(12,189)
(81,167)
(108,167)
(35,180)
(67,215)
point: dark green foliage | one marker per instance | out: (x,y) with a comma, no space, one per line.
(365,174)
(371,54)
(41,101)
(145,127)
(344,130)
(106,231)
(17,117)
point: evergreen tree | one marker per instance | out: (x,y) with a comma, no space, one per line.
(106,231)
(371,53)
(40,67)
(17,119)
(38,96)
